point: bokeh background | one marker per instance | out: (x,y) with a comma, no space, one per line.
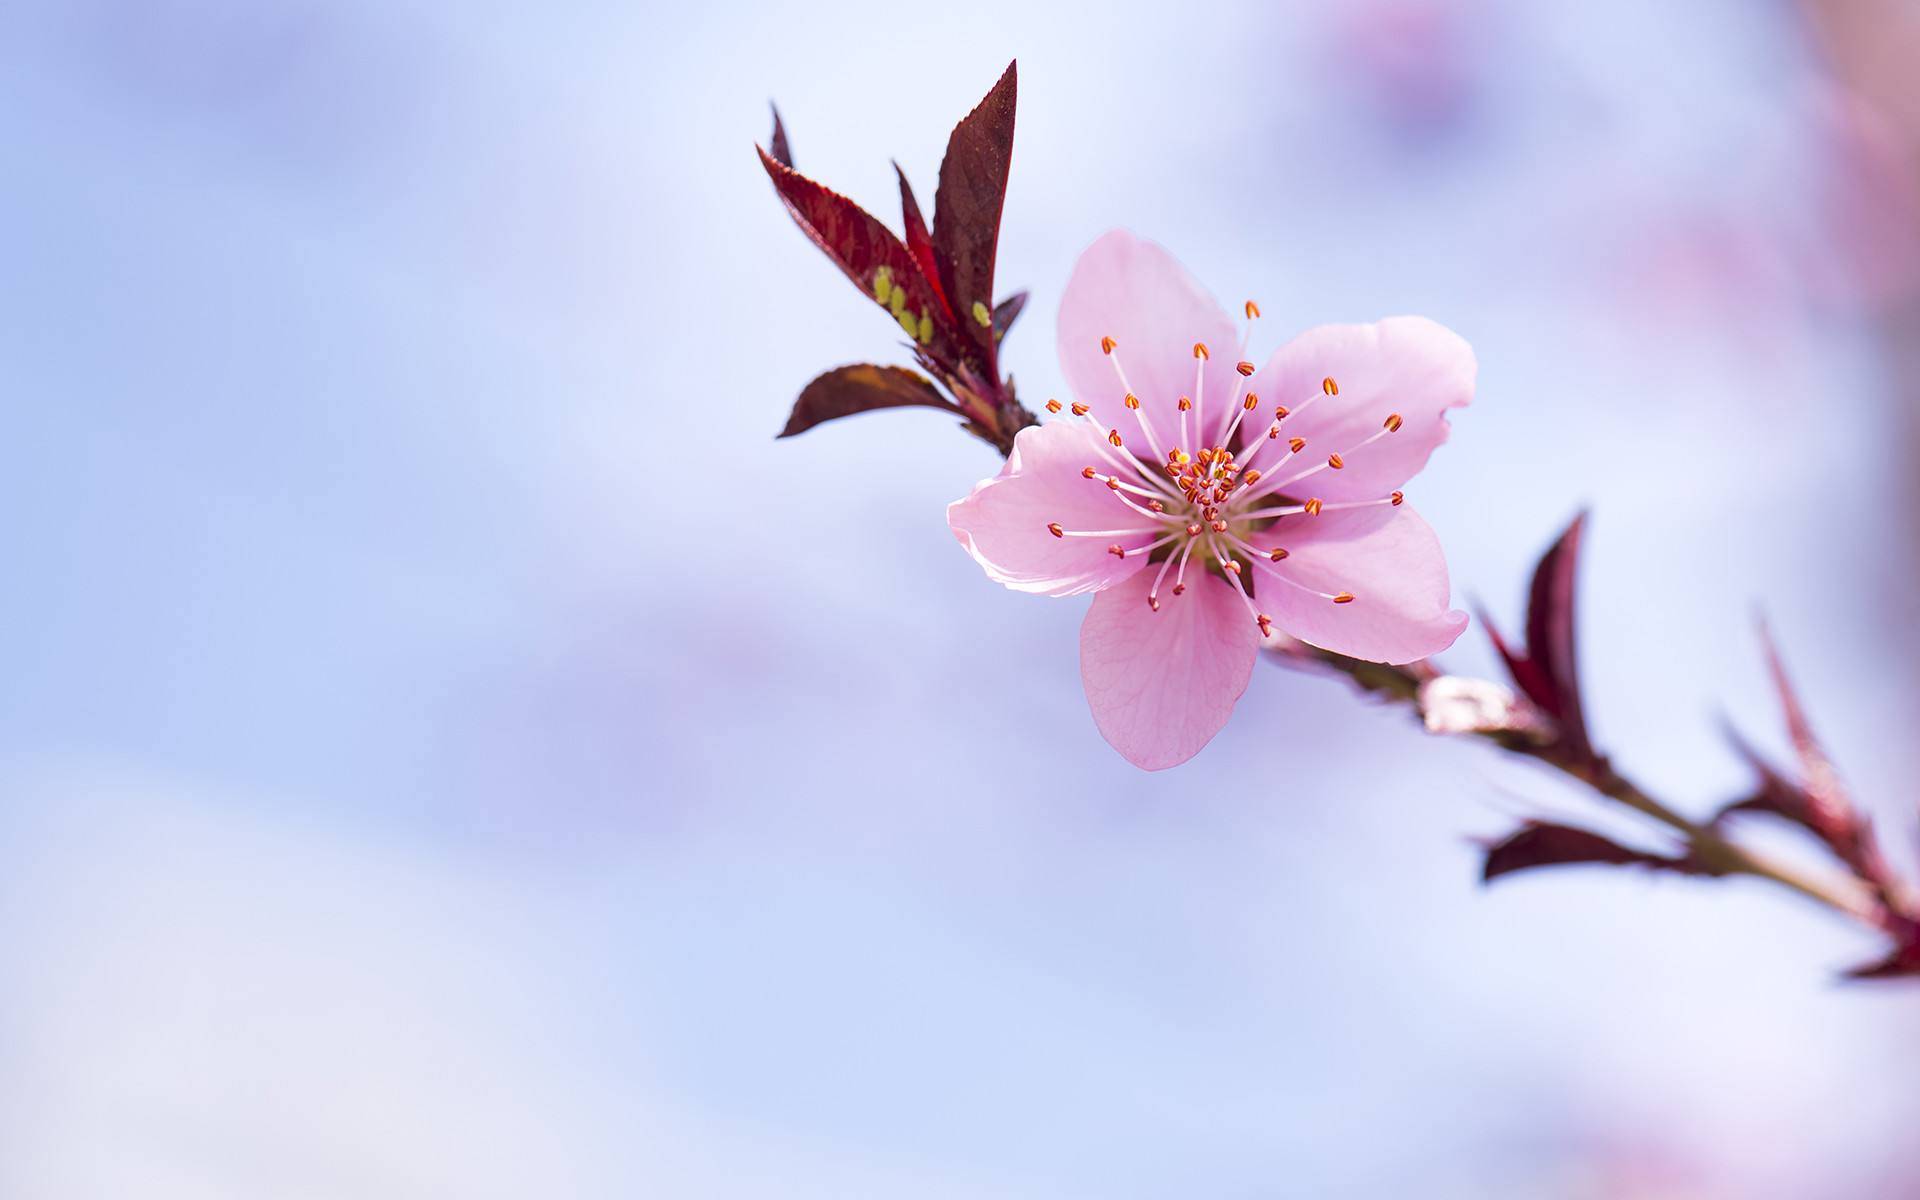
(449,748)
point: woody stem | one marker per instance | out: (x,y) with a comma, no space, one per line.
(1711,851)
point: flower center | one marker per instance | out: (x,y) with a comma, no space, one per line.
(1212,506)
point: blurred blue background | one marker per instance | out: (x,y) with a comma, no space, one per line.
(448,748)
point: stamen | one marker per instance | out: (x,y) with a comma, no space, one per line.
(1248,405)
(1335,461)
(1200,358)
(1132,401)
(1153,593)
(1336,597)
(1232,570)
(1180,577)
(1315,508)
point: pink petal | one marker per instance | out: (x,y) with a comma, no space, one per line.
(1408,366)
(1003,522)
(1386,556)
(1161,684)
(1133,291)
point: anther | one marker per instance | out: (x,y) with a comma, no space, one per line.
(1178,588)
(1252,402)
(1116,551)
(1250,478)
(1393,423)
(1273,433)
(1245,368)
(1335,461)
(1230,565)
(1053,406)
(1312,507)
(1113,485)
(1328,386)
(1281,412)
(1133,401)
(1253,310)
(1265,622)
(1192,531)
(1297,444)
(1276,554)
(1185,404)
(1219,526)
(1200,350)
(1113,436)
(1344,598)
(1079,410)
(1153,602)
(1107,344)
(1156,506)
(1053,527)
(1088,472)
(1398,498)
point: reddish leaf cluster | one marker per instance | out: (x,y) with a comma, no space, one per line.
(1542,844)
(1814,799)
(937,284)
(1547,669)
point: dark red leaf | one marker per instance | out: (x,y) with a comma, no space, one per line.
(1007,312)
(1904,961)
(1549,670)
(845,391)
(1817,801)
(1539,844)
(1773,793)
(863,248)
(1818,776)
(777,144)
(919,241)
(967,205)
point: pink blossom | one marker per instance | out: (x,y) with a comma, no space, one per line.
(1206,503)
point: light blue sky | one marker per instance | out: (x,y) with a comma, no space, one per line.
(447,747)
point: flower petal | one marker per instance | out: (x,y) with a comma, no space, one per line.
(1161,684)
(1408,366)
(1387,557)
(1003,522)
(1136,293)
